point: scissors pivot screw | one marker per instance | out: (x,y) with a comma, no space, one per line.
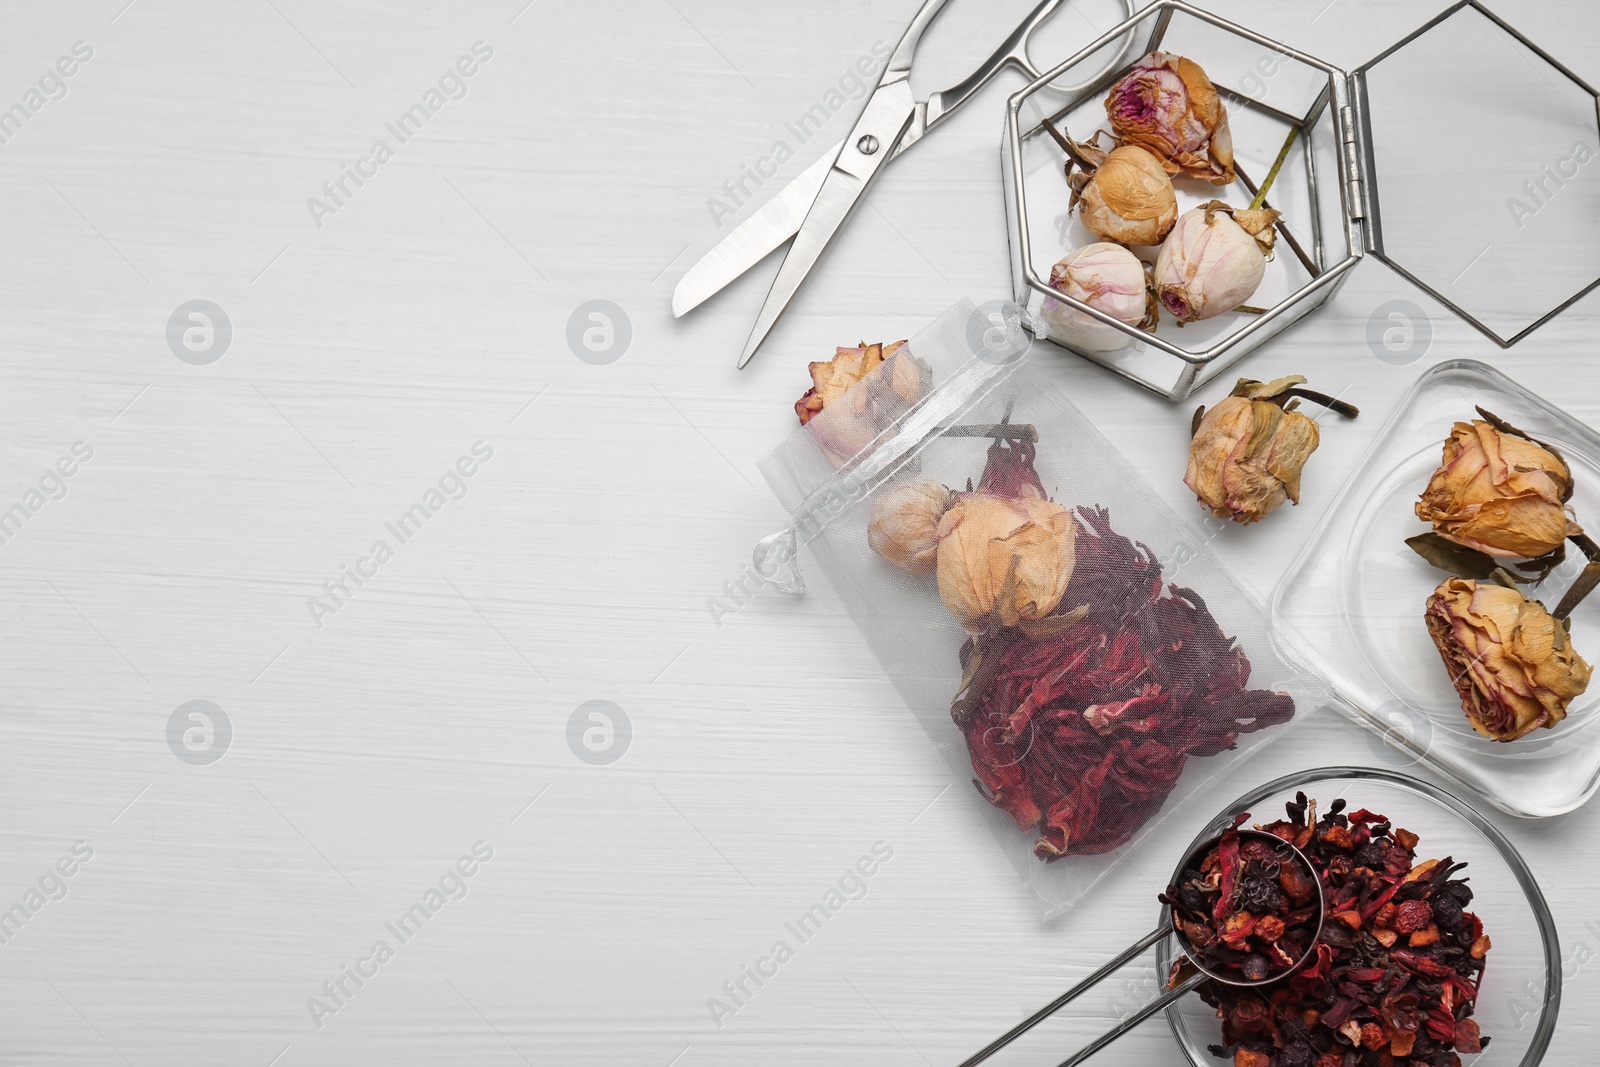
(867,145)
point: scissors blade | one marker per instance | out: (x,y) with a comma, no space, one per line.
(881,127)
(753,239)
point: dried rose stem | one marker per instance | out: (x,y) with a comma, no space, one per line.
(1588,578)
(1277,165)
(1019,431)
(1068,147)
(1251,309)
(1294,245)
(1333,403)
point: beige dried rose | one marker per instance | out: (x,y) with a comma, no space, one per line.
(1499,493)
(1127,199)
(1247,452)
(831,379)
(891,382)
(1510,660)
(1004,559)
(904,525)
(1167,104)
(1213,260)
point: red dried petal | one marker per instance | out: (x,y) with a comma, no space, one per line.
(1082,736)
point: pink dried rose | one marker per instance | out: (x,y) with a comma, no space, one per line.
(1108,278)
(1213,260)
(1167,104)
(904,525)
(831,379)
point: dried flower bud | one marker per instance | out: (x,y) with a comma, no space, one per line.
(1248,452)
(1167,104)
(831,379)
(1006,552)
(1213,260)
(1009,557)
(1510,660)
(1128,198)
(1499,493)
(904,527)
(1108,278)
(891,382)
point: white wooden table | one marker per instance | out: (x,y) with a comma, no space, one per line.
(382,728)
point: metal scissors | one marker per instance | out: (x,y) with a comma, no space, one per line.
(814,206)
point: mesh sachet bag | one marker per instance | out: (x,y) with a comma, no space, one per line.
(1066,640)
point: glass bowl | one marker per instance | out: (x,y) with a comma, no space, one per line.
(1521,991)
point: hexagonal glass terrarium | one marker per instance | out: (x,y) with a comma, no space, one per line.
(1460,156)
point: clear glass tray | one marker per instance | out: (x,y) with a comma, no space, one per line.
(1351,606)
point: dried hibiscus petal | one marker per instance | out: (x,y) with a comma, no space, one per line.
(1082,733)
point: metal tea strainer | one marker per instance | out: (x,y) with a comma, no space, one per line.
(1285,851)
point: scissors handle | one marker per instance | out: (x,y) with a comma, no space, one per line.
(905,52)
(1013,51)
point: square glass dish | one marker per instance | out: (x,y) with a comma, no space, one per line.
(1351,606)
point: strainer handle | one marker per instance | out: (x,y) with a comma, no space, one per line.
(1116,964)
(1133,1020)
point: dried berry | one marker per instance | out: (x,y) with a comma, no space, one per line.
(1412,916)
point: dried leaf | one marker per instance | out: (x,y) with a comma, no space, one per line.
(1459,560)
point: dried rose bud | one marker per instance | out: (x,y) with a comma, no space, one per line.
(904,527)
(1499,493)
(1167,104)
(1108,278)
(1213,260)
(1128,198)
(1006,557)
(847,419)
(1511,661)
(1006,552)
(831,379)
(1248,452)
